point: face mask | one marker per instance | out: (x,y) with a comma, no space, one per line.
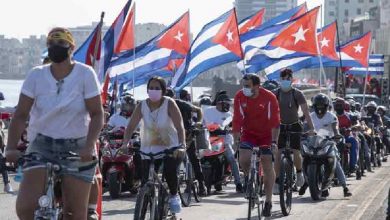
(225,107)
(58,54)
(285,85)
(247,92)
(339,111)
(320,111)
(154,95)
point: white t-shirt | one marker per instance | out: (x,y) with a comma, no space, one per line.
(324,123)
(211,115)
(59,109)
(117,121)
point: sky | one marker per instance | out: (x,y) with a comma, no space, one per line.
(22,18)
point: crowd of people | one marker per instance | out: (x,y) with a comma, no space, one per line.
(61,100)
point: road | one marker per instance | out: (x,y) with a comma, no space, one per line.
(369,201)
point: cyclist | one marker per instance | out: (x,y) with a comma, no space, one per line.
(220,114)
(161,128)
(255,106)
(186,110)
(290,100)
(63,101)
(324,119)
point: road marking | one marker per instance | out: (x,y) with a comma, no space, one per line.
(352,205)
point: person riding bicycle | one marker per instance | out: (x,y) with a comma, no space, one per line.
(161,128)
(121,119)
(324,119)
(186,110)
(220,114)
(66,115)
(256,121)
(345,126)
(290,100)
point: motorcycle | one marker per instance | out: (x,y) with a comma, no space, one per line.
(215,167)
(319,162)
(118,167)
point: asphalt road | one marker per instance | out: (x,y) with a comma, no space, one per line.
(369,201)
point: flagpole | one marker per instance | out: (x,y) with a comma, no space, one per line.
(364,88)
(97,44)
(340,61)
(322,73)
(134,57)
(189,31)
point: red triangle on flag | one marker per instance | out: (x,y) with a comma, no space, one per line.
(126,38)
(176,38)
(228,35)
(359,49)
(300,12)
(94,46)
(174,64)
(327,41)
(299,35)
(254,21)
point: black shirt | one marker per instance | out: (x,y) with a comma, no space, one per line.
(186,112)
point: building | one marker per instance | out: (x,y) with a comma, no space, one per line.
(385,13)
(273,8)
(344,11)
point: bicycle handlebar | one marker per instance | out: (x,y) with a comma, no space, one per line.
(151,155)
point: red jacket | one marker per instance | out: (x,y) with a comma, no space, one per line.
(255,118)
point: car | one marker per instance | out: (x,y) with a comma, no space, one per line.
(368,98)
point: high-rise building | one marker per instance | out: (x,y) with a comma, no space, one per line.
(273,8)
(344,11)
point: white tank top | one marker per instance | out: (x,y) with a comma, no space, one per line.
(157,130)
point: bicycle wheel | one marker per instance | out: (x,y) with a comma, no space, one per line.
(259,200)
(185,186)
(162,202)
(143,206)
(285,186)
(250,193)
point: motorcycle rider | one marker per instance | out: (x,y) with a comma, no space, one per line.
(186,110)
(121,119)
(220,114)
(290,100)
(345,126)
(324,119)
(381,110)
(254,106)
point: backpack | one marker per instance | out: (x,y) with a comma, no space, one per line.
(293,93)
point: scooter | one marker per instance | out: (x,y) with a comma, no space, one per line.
(319,162)
(118,167)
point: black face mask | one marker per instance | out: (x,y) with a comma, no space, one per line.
(225,107)
(339,111)
(58,54)
(320,110)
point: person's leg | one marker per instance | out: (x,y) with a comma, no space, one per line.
(191,152)
(171,167)
(269,180)
(229,154)
(31,188)
(353,153)
(341,177)
(245,160)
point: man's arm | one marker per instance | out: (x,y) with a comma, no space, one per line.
(306,113)
(237,119)
(199,113)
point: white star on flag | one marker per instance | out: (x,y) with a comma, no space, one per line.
(179,36)
(300,35)
(358,48)
(229,35)
(324,42)
(251,28)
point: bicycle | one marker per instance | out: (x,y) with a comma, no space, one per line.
(153,195)
(50,206)
(188,185)
(286,174)
(254,190)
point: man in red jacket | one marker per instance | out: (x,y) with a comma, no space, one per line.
(256,122)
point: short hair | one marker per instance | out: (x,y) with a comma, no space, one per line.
(253,77)
(286,72)
(161,81)
(183,94)
(170,93)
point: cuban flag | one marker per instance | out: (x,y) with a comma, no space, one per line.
(172,43)
(259,37)
(376,66)
(251,22)
(354,53)
(326,38)
(217,43)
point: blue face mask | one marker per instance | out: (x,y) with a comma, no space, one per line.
(285,85)
(247,92)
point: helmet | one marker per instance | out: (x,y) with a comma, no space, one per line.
(270,85)
(339,105)
(127,105)
(381,110)
(320,103)
(205,101)
(358,106)
(371,107)
(352,104)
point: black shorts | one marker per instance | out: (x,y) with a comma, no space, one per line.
(295,139)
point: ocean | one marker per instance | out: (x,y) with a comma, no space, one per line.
(11,90)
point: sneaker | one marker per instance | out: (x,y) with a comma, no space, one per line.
(8,188)
(325,193)
(267,209)
(239,188)
(300,179)
(275,189)
(92,214)
(175,204)
(302,190)
(347,193)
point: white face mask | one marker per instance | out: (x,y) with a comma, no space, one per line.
(247,92)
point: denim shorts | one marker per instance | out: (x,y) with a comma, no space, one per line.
(249,146)
(52,149)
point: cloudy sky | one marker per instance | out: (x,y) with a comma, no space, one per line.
(21,18)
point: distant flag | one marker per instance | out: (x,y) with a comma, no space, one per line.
(376,66)
(154,55)
(126,38)
(114,96)
(251,22)
(217,43)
